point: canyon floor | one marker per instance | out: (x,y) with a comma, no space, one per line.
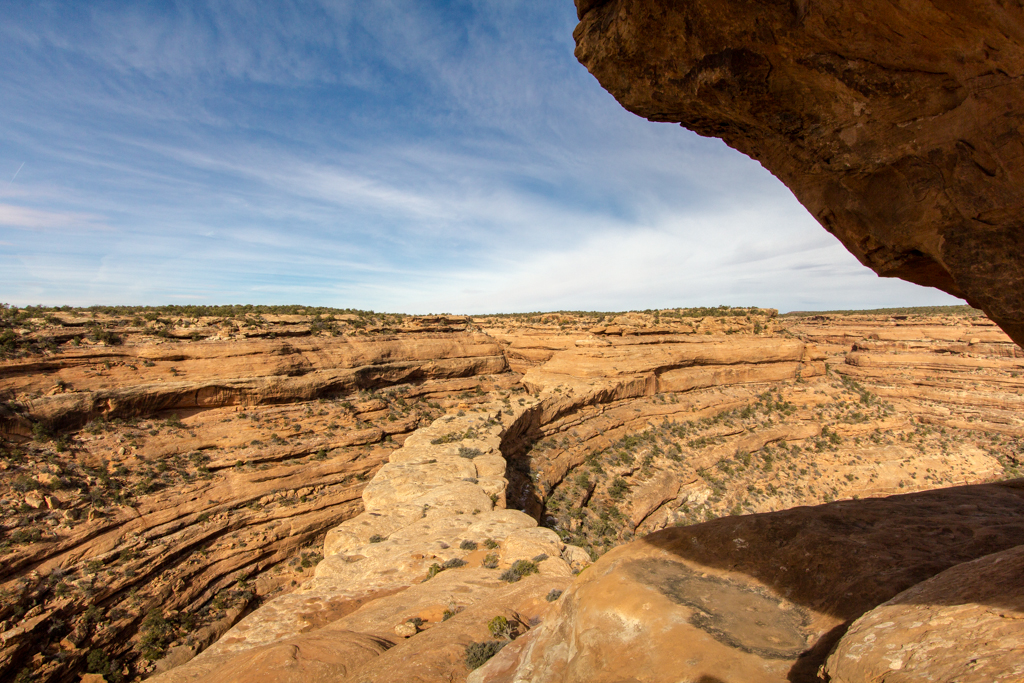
(306,494)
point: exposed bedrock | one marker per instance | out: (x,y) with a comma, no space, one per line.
(766,597)
(639,424)
(961,625)
(421,562)
(897,124)
(149,378)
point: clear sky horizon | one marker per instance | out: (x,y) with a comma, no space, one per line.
(390,155)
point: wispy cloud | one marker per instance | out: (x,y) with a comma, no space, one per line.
(413,155)
(25,218)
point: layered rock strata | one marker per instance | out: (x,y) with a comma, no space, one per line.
(143,379)
(632,423)
(202,482)
(434,536)
(960,625)
(897,125)
(758,425)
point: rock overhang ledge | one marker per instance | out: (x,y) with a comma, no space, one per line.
(898,129)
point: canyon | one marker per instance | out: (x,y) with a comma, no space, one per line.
(328,495)
(715,495)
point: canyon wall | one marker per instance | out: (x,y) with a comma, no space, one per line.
(365,506)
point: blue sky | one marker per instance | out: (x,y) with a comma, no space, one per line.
(408,156)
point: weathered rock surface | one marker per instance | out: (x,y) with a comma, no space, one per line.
(765,597)
(205,480)
(962,625)
(180,376)
(635,423)
(898,125)
(430,513)
(908,403)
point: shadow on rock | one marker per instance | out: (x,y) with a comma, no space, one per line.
(786,585)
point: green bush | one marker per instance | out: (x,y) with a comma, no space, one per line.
(500,628)
(23,482)
(468,545)
(519,570)
(156,632)
(26,536)
(618,488)
(97,662)
(477,654)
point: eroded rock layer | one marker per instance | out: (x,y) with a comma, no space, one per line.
(434,541)
(156,489)
(431,504)
(898,125)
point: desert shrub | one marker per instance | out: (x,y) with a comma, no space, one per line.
(308,560)
(500,628)
(106,336)
(453,563)
(618,488)
(41,432)
(477,654)
(156,632)
(490,543)
(553,595)
(26,535)
(490,561)
(470,453)
(97,662)
(23,482)
(519,570)
(376,538)
(468,545)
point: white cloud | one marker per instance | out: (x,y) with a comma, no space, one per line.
(385,155)
(25,218)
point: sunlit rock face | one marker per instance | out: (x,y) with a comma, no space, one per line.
(897,124)
(766,598)
(265,500)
